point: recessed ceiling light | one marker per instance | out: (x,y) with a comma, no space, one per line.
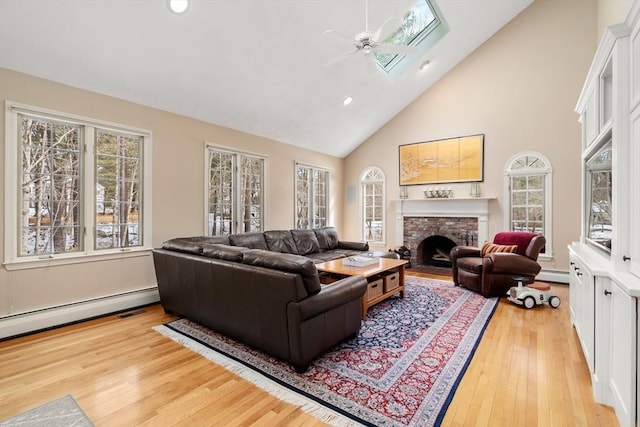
(348,100)
(178,6)
(425,64)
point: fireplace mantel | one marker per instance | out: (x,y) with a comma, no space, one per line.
(444,207)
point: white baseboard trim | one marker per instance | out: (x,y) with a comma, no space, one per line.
(555,276)
(23,323)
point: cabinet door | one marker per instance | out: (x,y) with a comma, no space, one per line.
(602,343)
(622,352)
(634,199)
(582,307)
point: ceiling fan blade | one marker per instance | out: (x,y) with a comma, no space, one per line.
(340,58)
(396,49)
(341,37)
(385,29)
(370,60)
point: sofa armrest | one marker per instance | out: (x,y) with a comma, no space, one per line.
(464,252)
(331,296)
(353,246)
(508,263)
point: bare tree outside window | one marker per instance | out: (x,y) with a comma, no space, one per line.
(235,199)
(528,177)
(600,181)
(527,203)
(251,188)
(220,193)
(118,189)
(78,186)
(50,221)
(312,194)
(372,186)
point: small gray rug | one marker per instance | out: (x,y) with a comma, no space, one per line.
(63,412)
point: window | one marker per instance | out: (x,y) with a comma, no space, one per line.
(373,184)
(118,186)
(235,192)
(80,187)
(421,26)
(528,196)
(312,194)
(600,184)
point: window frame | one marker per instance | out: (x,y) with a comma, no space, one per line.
(311,196)
(415,40)
(363,204)
(423,41)
(235,186)
(90,252)
(547,173)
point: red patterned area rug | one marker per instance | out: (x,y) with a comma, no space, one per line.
(401,370)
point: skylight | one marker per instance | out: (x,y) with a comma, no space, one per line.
(417,27)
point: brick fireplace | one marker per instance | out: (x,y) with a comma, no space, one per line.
(431,227)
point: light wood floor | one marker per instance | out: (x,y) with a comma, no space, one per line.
(528,371)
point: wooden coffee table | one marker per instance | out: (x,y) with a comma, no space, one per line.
(384,265)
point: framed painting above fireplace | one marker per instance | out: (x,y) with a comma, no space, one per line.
(458,159)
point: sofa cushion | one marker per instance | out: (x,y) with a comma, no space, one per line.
(182,245)
(226,252)
(249,240)
(319,257)
(286,262)
(193,245)
(306,241)
(281,241)
(327,238)
(470,264)
(337,253)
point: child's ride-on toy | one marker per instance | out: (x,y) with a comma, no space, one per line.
(533,294)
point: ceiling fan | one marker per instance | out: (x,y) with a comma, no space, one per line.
(369,43)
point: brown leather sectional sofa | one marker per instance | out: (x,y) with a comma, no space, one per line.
(263,289)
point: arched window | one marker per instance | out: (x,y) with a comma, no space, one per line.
(528,196)
(373,185)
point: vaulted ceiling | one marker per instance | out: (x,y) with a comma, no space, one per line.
(256,66)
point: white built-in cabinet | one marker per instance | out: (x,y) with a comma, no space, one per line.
(581,295)
(634,149)
(605,267)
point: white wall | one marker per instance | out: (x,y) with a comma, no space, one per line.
(178,191)
(519,89)
(611,12)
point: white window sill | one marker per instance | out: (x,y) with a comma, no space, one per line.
(67,259)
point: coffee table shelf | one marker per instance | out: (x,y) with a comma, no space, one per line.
(384,266)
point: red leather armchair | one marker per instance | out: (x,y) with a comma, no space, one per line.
(492,275)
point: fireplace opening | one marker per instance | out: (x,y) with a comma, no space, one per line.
(434,251)
(431,238)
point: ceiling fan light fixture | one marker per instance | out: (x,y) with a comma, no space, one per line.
(178,6)
(348,100)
